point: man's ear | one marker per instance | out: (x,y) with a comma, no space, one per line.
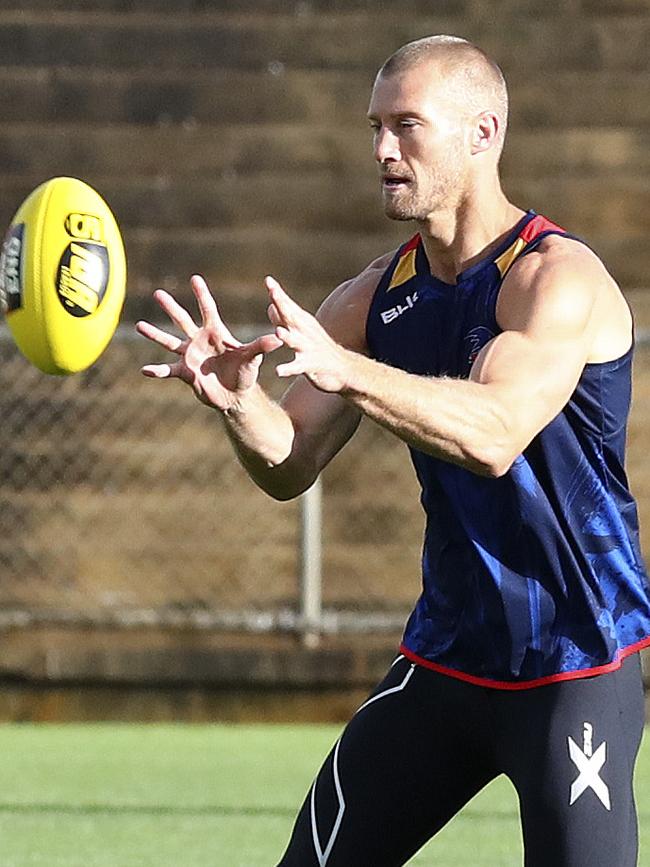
(486,132)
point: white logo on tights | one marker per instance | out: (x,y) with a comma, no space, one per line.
(589,764)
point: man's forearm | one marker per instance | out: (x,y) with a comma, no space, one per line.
(448,418)
(460,421)
(263,437)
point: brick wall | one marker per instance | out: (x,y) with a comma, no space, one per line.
(230,137)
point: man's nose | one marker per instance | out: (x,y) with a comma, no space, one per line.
(386,146)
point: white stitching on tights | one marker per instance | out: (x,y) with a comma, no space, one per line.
(323,855)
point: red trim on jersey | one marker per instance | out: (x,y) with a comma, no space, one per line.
(536,226)
(410,245)
(530,231)
(528,684)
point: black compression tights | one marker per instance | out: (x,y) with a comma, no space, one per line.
(424,744)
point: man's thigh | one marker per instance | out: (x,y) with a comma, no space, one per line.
(409,759)
(570,751)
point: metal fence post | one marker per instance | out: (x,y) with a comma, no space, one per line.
(311,525)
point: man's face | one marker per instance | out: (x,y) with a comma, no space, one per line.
(420,143)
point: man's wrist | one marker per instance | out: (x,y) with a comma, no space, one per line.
(352,373)
(241,406)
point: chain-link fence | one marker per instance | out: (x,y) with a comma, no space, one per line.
(122,504)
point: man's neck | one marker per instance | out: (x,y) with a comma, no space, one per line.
(458,238)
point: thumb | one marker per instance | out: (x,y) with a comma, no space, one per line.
(261,345)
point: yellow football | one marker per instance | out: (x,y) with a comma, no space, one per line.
(62,276)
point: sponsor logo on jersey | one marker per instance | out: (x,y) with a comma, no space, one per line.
(388,316)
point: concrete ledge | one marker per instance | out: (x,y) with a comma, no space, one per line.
(61,675)
(146,657)
(49,675)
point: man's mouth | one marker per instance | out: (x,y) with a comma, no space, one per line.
(394,182)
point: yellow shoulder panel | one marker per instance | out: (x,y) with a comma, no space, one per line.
(404,271)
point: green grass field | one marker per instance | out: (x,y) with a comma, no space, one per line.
(192,796)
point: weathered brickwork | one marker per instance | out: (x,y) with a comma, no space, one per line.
(230,137)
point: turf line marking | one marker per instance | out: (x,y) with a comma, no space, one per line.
(146,809)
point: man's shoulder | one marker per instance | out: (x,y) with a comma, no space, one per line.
(558,263)
(345,310)
(364,282)
(557,255)
(560,285)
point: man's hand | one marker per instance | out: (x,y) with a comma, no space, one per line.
(219,367)
(323,361)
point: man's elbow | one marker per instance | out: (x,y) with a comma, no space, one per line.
(496,444)
(283,495)
(286,486)
(492,460)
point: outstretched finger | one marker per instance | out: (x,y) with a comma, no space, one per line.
(274,316)
(176,313)
(285,306)
(157,371)
(289,368)
(261,345)
(176,370)
(157,335)
(290,339)
(209,311)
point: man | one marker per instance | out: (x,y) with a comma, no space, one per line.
(499,348)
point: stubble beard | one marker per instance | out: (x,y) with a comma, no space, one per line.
(407,207)
(411,205)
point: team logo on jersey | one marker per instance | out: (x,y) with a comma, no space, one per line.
(589,765)
(475,340)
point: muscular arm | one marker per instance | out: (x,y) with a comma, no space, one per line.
(558,308)
(283,446)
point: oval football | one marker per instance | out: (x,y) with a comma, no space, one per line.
(63,276)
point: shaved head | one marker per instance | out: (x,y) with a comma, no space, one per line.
(438,111)
(469,77)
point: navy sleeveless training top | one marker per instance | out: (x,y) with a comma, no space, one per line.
(535,576)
